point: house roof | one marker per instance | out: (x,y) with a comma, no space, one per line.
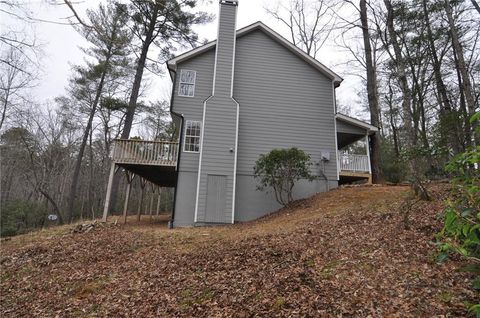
(355,122)
(172,64)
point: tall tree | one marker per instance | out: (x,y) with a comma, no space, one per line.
(309,23)
(372,93)
(447,126)
(164,24)
(400,67)
(16,76)
(466,85)
(110,37)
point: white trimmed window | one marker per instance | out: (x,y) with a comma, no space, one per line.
(192,136)
(186,86)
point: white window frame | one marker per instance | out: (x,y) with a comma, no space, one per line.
(180,83)
(199,136)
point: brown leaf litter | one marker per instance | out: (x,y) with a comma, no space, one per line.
(344,253)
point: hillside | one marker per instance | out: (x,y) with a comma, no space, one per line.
(342,253)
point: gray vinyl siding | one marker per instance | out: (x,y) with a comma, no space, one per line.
(225,50)
(252,204)
(192,107)
(284,102)
(219,138)
(343,127)
(185,202)
(220,126)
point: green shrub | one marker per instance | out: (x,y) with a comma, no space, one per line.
(461,231)
(280,169)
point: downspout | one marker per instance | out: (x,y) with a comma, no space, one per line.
(172,217)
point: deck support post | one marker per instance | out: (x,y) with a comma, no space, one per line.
(367,146)
(150,208)
(109,192)
(143,182)
(158,201)
(130,177)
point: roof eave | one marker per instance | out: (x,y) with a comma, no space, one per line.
(356,122)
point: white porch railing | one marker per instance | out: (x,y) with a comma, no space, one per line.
(355,163)
(154,153)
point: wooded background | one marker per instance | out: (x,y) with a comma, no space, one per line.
(418,61)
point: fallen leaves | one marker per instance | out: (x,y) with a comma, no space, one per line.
(343,253)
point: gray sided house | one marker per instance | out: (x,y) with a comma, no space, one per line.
(233,99)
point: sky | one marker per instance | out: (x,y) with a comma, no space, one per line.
(61,48)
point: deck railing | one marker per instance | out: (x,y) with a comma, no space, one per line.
(355,163)
(155,153)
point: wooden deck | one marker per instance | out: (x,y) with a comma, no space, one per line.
(145,152)
(155,161)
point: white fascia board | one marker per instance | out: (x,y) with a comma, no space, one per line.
(356,122)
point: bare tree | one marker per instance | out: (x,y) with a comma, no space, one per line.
(15,78)
(462,67)
(475,5)
(400,67)
(18,36)
(372,91)
(310,23)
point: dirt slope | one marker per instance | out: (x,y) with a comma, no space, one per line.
(340,254)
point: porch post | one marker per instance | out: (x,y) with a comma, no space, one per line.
(109,192)
(367,144)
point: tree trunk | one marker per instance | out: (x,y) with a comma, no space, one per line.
(462,66)
(372,91)
(396,145)
(447,120)
(86,133)
(90,177)
(475,4)
(402,77)
(53,203)
(467,131)
(132,103)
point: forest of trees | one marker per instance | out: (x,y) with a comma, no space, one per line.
(418,60)
(55,157)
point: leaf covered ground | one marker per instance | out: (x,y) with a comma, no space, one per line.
(344,253)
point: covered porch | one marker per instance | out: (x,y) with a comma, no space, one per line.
(353,157)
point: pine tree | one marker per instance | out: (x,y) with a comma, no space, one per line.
(109,37)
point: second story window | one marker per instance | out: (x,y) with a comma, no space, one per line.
(192,136)
(186,85)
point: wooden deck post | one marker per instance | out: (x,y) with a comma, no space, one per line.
(142,185)
(150,211)
(109,192)
(158,201)
(130,177)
